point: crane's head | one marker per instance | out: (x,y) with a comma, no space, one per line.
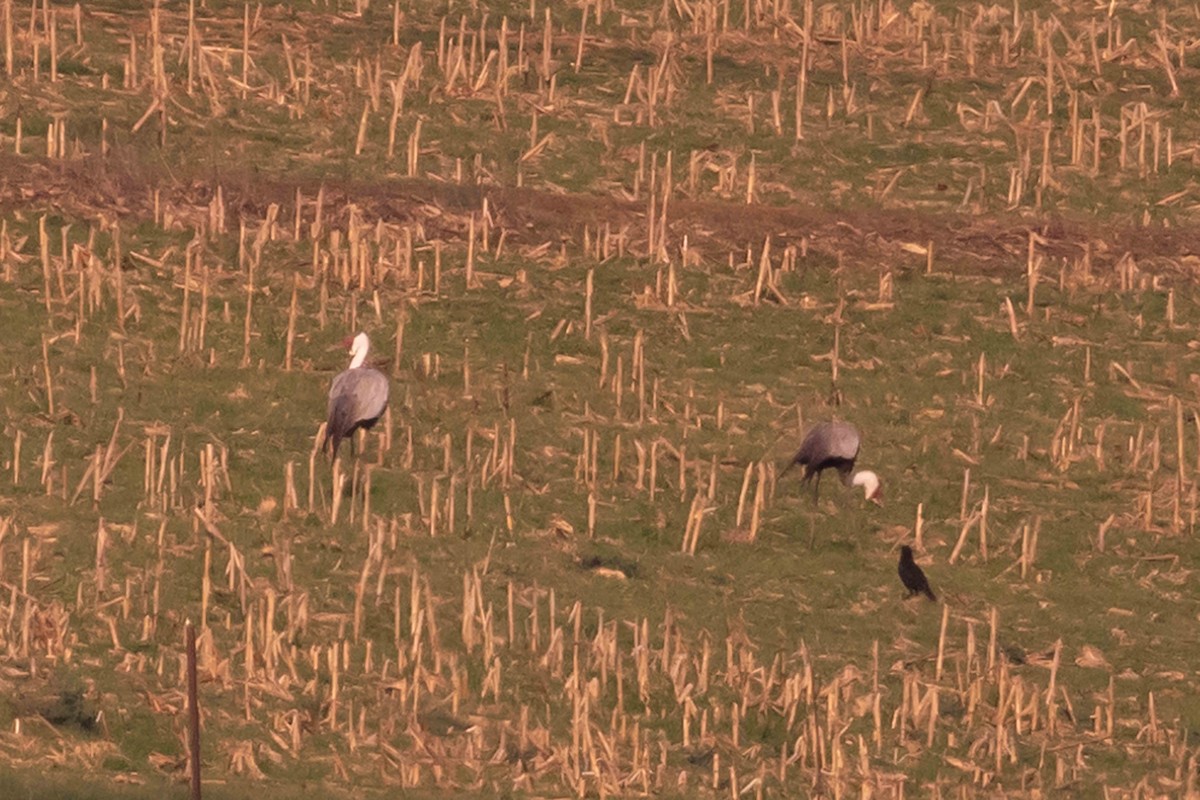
(872,488)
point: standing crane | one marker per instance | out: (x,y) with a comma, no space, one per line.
(357,398)
(834,445)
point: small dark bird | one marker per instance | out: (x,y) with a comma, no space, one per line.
(1013,653)
(834,445)
(912,576)
(357,398)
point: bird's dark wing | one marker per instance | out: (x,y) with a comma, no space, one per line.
(338,424)
(813,449)
(336,388)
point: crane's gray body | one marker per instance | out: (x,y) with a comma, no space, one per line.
(828,445)
(357,399)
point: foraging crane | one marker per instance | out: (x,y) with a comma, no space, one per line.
(357,398)
(834,445)
(912,576)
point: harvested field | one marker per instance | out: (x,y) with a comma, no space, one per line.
(615,258)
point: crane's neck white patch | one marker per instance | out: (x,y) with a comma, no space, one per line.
(358,350)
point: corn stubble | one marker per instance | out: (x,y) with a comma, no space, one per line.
(418,615)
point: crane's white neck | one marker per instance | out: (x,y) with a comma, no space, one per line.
(358,350)
(870,483)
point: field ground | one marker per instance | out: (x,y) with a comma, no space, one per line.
(615,257)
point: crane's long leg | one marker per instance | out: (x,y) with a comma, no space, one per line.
(817,488)
(360,454)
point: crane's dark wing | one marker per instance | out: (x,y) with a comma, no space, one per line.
(814,448)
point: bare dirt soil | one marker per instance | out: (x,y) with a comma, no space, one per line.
(988,244)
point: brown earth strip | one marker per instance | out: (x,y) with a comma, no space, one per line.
(992,244)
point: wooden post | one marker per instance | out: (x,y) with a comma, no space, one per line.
(193,714)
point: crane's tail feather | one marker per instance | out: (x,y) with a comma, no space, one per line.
(331,444)
(340,424)
(929,593)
